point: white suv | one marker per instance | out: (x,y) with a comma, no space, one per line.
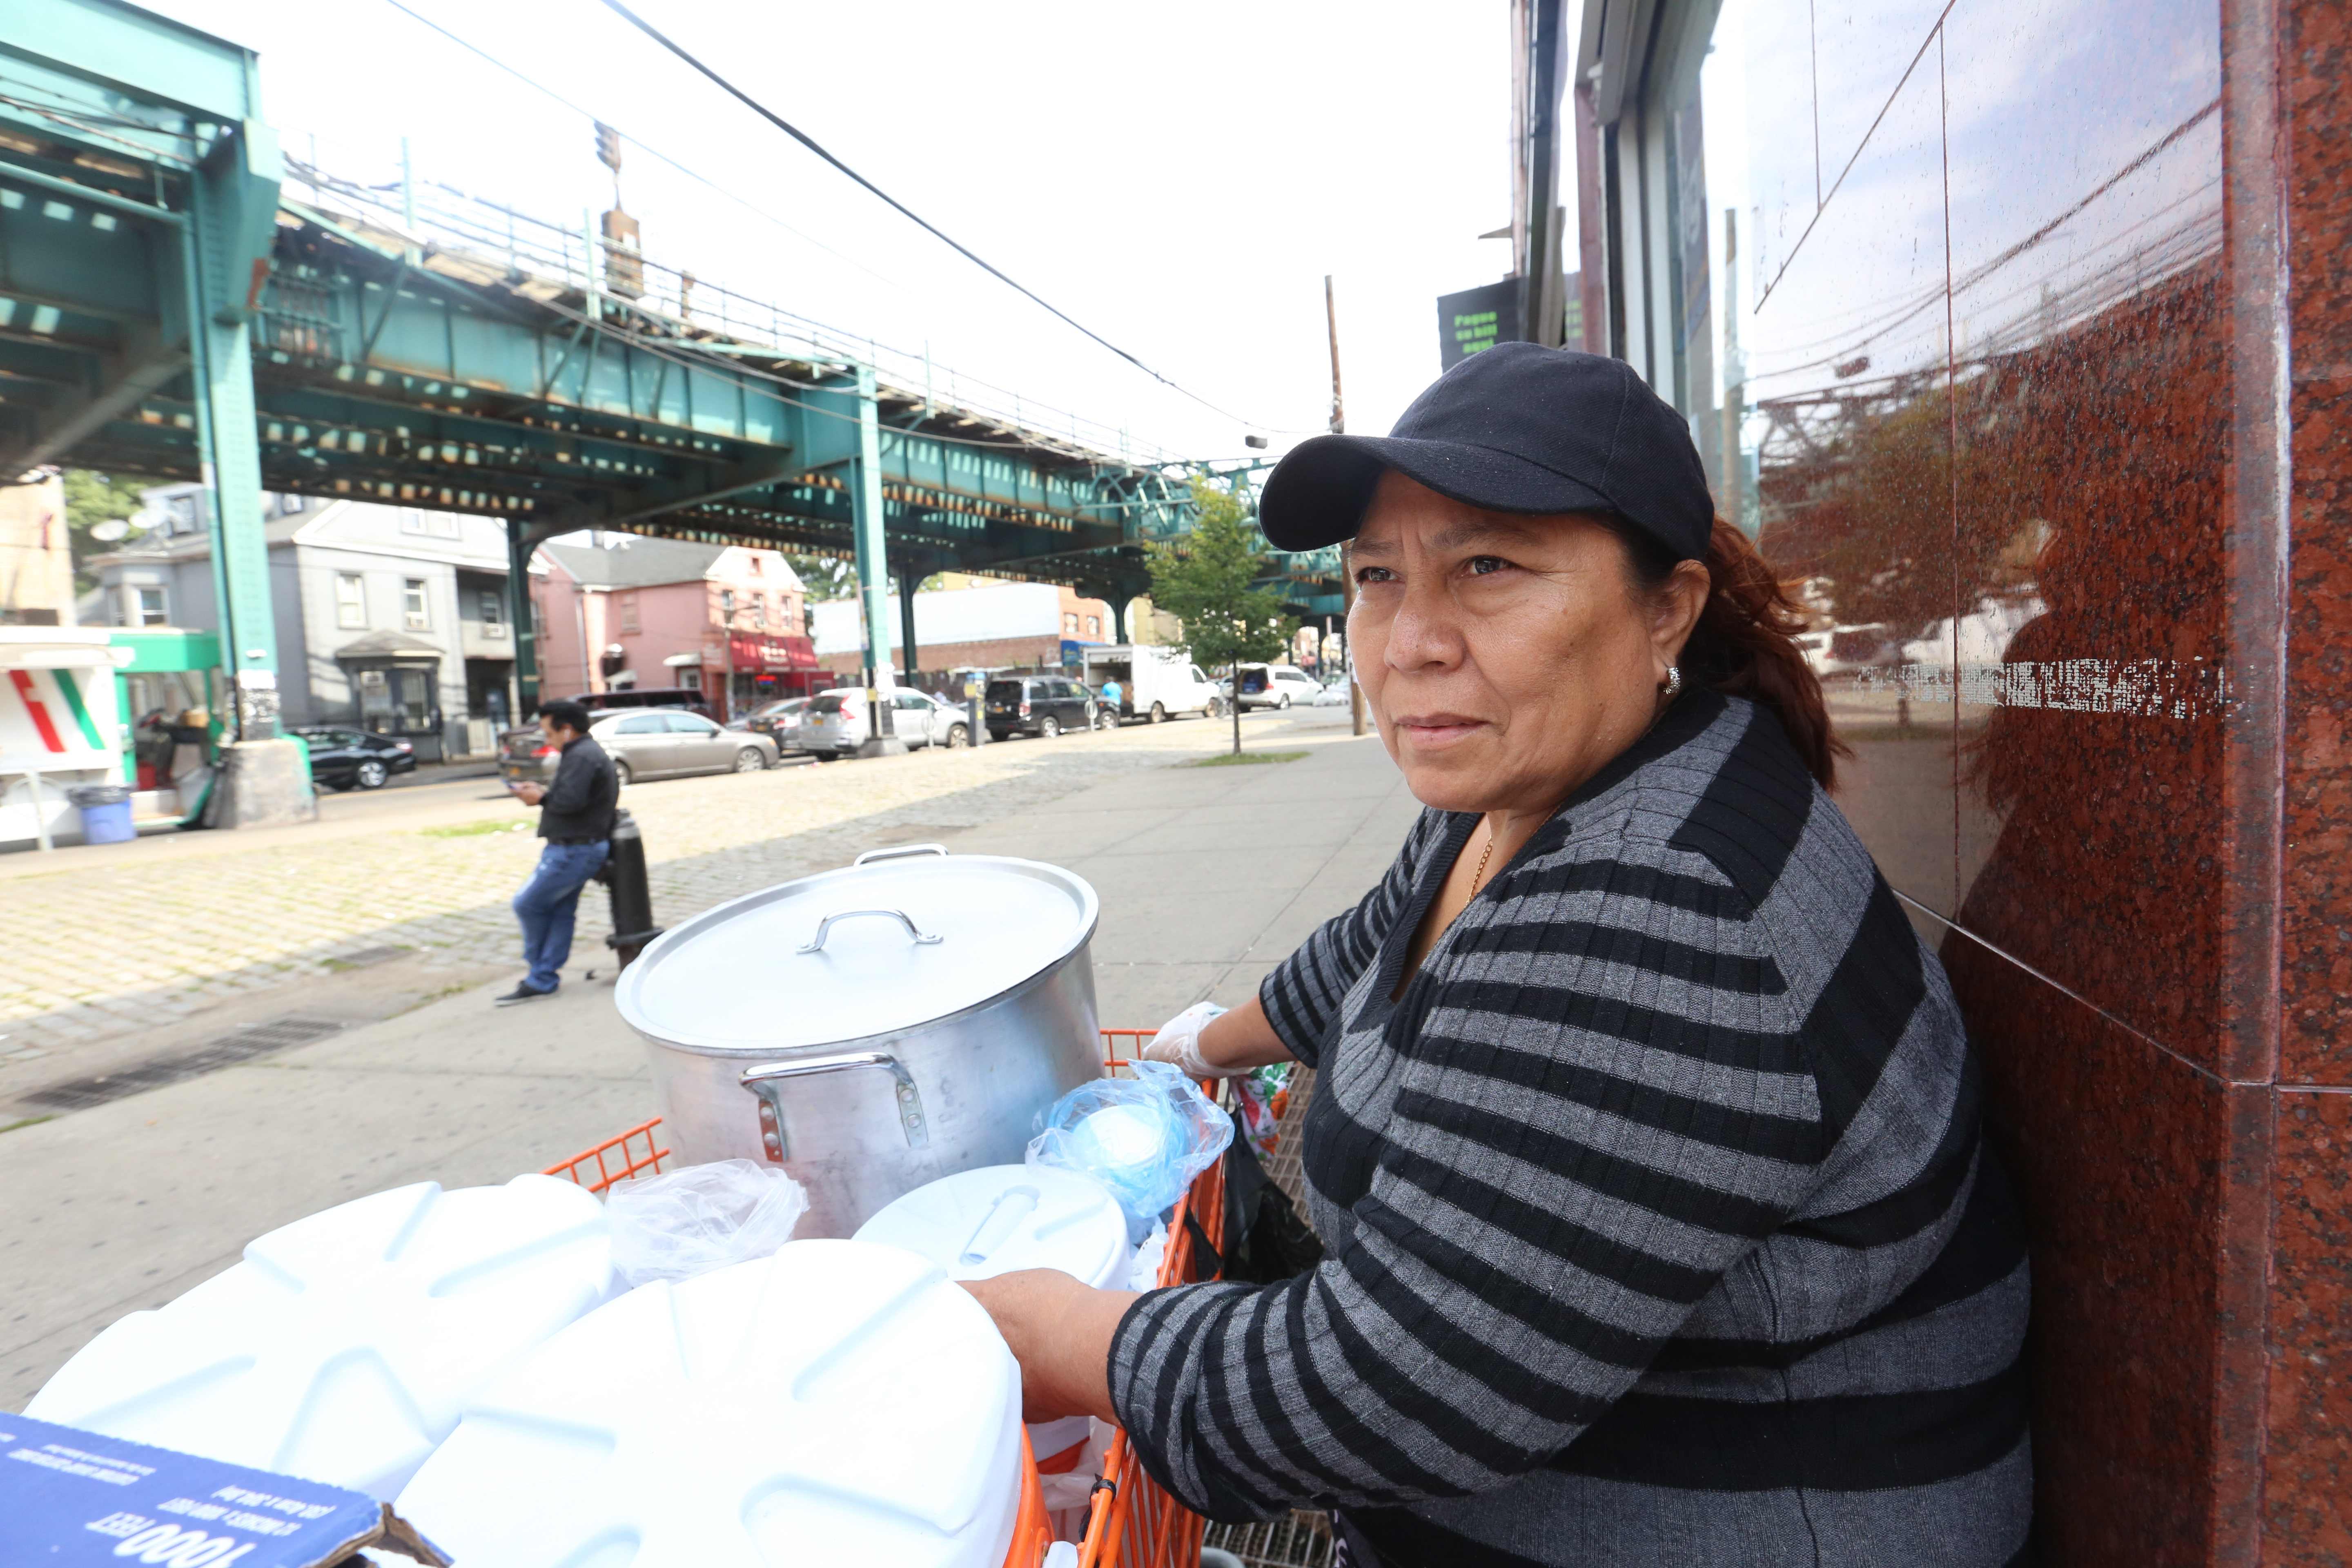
(1277,685)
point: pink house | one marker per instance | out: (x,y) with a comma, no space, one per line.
(722,620)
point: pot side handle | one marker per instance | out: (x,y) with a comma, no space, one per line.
(762,1080)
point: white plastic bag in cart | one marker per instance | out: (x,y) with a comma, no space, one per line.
(691,1221)
(1144,1138)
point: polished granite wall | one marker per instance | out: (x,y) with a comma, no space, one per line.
(2025,277)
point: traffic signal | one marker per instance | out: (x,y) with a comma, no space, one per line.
(608,147)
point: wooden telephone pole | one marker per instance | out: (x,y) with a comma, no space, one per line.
(1346,576)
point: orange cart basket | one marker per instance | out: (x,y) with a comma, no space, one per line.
(1133,1522)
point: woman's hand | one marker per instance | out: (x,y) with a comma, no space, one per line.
(1205,1041)
(1060,1330)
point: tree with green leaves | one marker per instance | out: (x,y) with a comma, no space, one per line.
(1207,579)
(92,498)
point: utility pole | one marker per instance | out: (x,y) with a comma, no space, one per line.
(873,571)
(1347,574)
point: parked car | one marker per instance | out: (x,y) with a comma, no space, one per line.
(1040,705)
(1155,683)
(664,744)
(1334,696)
(835,722)
(1275,685)
(777,721)
(354,759)
(684,697)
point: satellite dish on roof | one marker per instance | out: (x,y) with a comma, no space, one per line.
(107,531)
(149,517)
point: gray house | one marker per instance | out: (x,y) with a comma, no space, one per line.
(389,617)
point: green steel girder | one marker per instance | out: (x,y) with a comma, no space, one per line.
(436,381)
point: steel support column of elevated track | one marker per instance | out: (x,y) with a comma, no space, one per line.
(138,202)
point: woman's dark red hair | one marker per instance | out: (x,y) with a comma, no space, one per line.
(1744,644)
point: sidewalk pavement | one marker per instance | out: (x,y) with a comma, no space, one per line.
(1207,877)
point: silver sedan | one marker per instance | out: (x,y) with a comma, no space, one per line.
(645,744)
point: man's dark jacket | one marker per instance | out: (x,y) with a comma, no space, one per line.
(578,804)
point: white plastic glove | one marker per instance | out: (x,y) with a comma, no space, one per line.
(1178,1043)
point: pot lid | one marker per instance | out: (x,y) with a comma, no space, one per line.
(834,1402)
(901,939)
(977,1225)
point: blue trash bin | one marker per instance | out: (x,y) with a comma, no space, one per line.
(105,813)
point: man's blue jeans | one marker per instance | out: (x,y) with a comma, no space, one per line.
(547,904)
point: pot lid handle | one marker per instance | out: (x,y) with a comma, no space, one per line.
(824,927)
(896,851)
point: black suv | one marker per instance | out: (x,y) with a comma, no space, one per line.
(1042,705)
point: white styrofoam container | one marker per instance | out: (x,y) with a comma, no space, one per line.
(836,1403)
(976,1225)
(346,1345)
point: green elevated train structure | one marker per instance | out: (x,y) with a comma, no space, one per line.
(178,298)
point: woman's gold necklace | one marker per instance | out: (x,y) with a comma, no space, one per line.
(1485,855)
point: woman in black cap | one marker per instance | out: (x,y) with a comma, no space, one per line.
(1645,1143)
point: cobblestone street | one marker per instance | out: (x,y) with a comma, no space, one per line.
(94,952)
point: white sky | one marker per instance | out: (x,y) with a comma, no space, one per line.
(1178,177)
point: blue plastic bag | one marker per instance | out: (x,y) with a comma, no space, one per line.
(1144,1139)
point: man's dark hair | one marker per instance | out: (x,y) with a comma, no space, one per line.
(571,715)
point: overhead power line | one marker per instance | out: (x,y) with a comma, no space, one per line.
(806,140)
(543,89)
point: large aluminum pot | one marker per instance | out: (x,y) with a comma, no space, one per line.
(874,1028)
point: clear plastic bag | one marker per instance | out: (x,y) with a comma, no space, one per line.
(702,1217)
(1145,1138)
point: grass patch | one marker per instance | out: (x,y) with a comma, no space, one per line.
(27,1122)
(472,829)
(1244,759)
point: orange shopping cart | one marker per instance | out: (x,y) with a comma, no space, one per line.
(1132,1523)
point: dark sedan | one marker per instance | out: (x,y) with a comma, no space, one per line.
(354,759)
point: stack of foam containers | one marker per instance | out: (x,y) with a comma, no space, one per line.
(836,1403)
(979,1223)
(345,1347)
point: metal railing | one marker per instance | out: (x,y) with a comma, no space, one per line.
(490,241)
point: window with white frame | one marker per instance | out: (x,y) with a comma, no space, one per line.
(727,606)
(351,601)
(628,612)
(1069,622)
(148,607)
(414,614)
(411,521)
(493,612)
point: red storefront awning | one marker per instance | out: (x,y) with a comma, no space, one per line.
(780,654)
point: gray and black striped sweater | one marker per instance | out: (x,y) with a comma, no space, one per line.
(1660,1230)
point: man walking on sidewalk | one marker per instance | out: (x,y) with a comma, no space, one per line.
(575,817)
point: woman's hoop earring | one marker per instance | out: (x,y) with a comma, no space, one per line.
(1673,681)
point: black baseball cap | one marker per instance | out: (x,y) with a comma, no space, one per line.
(1518,427)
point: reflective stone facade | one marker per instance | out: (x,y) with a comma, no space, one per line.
(2013,285)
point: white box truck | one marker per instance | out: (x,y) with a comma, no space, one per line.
(1155,683)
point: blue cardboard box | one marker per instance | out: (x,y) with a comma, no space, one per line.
(70,1496)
